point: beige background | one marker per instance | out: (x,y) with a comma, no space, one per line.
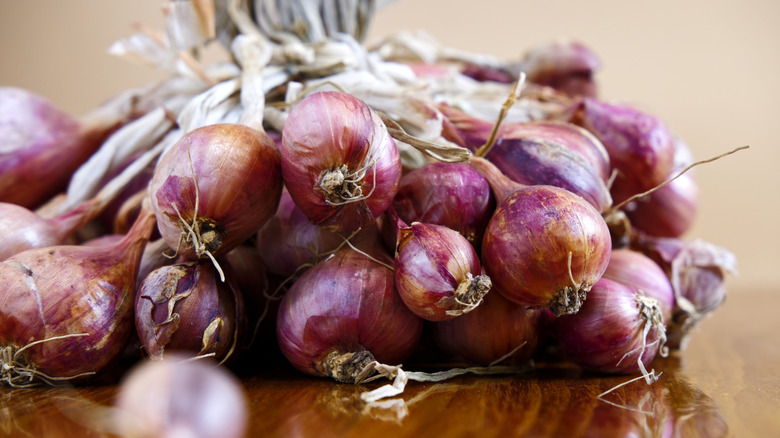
(709,68)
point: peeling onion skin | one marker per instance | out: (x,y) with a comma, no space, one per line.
(41,147)
(454,195)
(472,132)
(174,398)
(527,245)
(347,303)
(70,290)
(553,153)
(607,327)
(697,270)
(490,332)
(437,272)
(328,130)
(238,175)
(185,308)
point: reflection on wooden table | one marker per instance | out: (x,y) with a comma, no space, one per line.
(723,384)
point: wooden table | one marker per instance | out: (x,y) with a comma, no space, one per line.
(726,383)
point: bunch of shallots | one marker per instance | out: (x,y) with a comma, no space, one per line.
(351,207)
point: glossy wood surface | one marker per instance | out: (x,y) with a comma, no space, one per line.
(725,383)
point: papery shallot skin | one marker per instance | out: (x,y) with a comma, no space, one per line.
(697,270)
(454,195)
(185,308)
(234,171)
(72,290)
(339,163)
(345,304)
(472,132)
(528,243)
(551,152)
(605,336)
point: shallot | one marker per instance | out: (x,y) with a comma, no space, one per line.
(344,314)
(339,163)
(496,332)
(567,66)
(544,246)
(68,310)
(289,242)
(669,211)
(185,309)
(635,269)
(437,272)
(215,188)
(640,146)
(176,397)
(43,145)
(618,330)
(454,195)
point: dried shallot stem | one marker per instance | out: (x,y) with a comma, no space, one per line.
(401,377)
(448,153)
(679,174)
(514,94)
